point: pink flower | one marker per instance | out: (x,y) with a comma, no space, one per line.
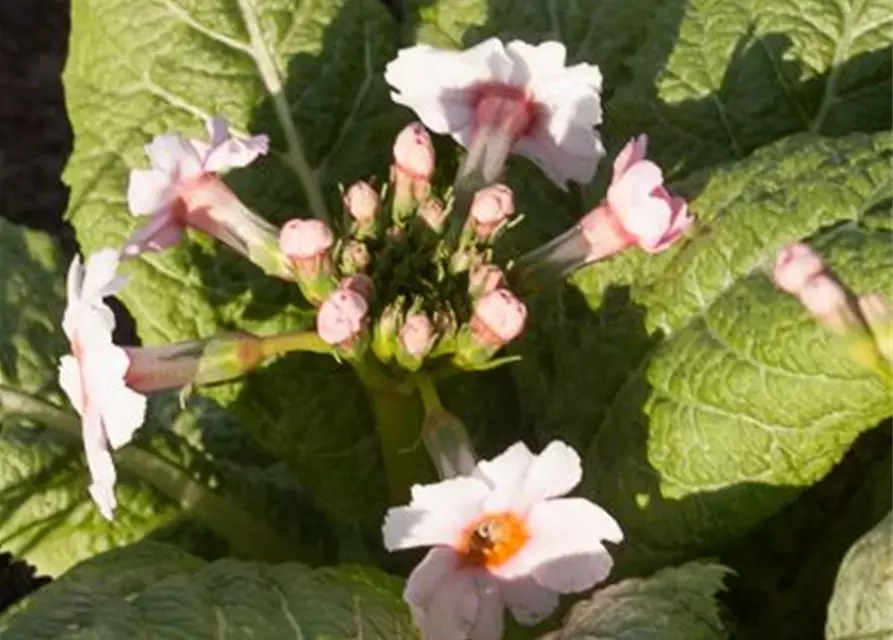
(502,537)
(652,217)
(343,315)
(413,167)
(491,208)
(362,201)
(516,97)
(417,335)
(795,265)
(305,240)
(182,189)
(93,377)
(498,318)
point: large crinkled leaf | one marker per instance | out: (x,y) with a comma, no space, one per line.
(862,605)
(721,79)
(183,464)
(712,399)
(678,603)
(152,590)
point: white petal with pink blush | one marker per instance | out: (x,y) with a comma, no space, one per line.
(503,537)
(93,377)
(554,108)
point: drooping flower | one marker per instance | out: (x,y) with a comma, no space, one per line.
(495,99)
(503,537)
(93,377)
(182,189)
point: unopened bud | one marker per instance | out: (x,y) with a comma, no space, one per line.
(342,318)
(412,169)
(362,201)
(307,244)
(355,257)
(484,278)
(498,318)
(879,317)
(433,213)
(415,341)
(795,265)
(490,210)
(385,333)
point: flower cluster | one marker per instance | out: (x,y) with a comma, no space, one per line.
(406,287)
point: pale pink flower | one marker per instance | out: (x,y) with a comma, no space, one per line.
(93,377)
(491,207)
(516,97)
(503,537)
(650,215)
(343,315)
(180,168)
(498,317)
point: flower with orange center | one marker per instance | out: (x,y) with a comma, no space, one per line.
(93,377)
(503,537)
(495,99)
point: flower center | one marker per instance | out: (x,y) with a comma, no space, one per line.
(506,107)
(492,540)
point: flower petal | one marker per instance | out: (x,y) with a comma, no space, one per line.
(560,162)
(553,473)
(444,599)
(121,409)
(633,152)
(236,152)
(99,463)
(101,277)
(70,381)
(528,601)
(565,551)
(147,191)
(533,62)
(437,514)
(171,154)
(506,471)
(162,231)
(491,613)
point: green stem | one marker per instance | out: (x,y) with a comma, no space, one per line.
(398,419)
(430,397)
(445,437)
(246,536)
(293,341)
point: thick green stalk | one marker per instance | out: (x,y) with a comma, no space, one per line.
(246,535)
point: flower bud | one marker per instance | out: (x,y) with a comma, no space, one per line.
(879,318)
(355,257)
(433,213)
(412,169)
(484,278)
(385,334)
(415,340)
(491,209)
(795,265)
(342,318)
(362,202)
(498,318)
(307,244)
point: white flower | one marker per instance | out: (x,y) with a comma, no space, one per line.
(178,163)
(503,538)
(93,377)
(549,111)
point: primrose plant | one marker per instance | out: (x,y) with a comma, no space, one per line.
(408,289)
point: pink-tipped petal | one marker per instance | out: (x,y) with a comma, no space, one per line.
(147,191)
(795,265)
(437,514)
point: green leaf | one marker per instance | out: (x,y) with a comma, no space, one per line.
(713,81)
(674,603)
(862,605)
(184,462)
(152,590)
(712,399)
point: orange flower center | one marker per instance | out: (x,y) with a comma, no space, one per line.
(492,540)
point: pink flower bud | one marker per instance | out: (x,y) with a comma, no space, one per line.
(491,207)
(359,283)
(644,209)
(342,317)
(484,278)
(795,265)
(824,298)
(498,318)
(433,213)
(362,202)
(417,335)
(302,240)
(414,152)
